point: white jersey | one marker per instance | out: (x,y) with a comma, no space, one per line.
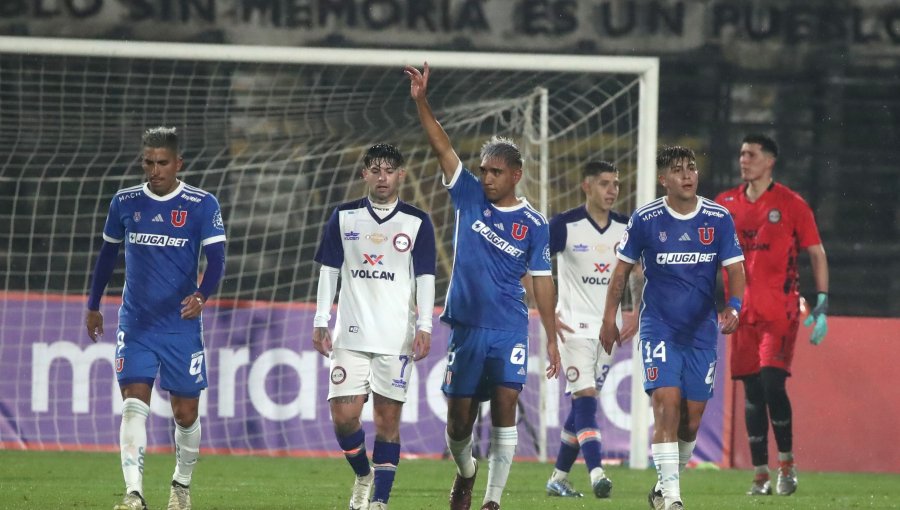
(379,259)
(587,257)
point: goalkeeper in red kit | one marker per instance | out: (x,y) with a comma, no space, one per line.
(773,223)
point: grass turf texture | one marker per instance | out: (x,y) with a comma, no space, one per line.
(93,480)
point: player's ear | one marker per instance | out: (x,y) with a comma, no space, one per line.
(179,163)
(517,175)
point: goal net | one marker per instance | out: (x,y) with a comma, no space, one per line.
(277,134)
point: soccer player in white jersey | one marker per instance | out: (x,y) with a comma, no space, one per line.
(383,249)
(584,239)
(499,238)
(163,223)
(681,240)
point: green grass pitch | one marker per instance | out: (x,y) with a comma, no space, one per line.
(56,480)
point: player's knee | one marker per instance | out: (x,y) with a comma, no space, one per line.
(185,418)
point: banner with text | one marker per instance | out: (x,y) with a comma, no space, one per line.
(267,387)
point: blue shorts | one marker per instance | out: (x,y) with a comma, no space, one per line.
(668,364)
(479,359)
(177,357)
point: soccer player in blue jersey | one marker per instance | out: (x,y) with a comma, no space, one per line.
(383,249)
(680,240)
(164,223)
(584,240)
(499,238)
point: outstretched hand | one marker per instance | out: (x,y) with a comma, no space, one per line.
(418,81)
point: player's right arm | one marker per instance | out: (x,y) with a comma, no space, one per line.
(103,270)
(609,331)
(437,137)
(328,279)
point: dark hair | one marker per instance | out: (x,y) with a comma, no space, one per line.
(503,148)
(383,152)
(766,142)
(161,138)
(668,154)
(593,168)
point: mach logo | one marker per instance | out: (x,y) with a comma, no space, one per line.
(706,235)
(519,231)
(179,218)
(373,259)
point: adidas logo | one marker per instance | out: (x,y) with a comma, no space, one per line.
(199,378)
(521,370)
(684,237)
(158,218)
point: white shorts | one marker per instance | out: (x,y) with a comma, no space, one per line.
(584,362)
(360,373)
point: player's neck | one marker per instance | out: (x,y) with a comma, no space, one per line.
(600,216)
(682,205)
(510,201)
(757,187)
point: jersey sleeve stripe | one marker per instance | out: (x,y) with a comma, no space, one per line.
(456,174)
(213,239)
(623,258)
(109,239)
(541,273)
(732,260)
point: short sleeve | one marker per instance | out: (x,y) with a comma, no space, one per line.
(424,256)
(558,231)
(805,225)
(465,189)
(213,227)
(331,249)
(729,246)
(630,246)
(539,258)
(113,230)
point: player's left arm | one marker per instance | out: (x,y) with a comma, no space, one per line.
(545,297)
(424,258)
(807,233)
(630,319)
(819,262)
(728,321)
(212,238)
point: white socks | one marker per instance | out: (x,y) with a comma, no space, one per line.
(666,457)
(461,451)
(503,448)
(133,443)
(187,450)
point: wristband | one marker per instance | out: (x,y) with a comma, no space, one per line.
(735,303)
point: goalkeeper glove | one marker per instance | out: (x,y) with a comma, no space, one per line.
(817,317)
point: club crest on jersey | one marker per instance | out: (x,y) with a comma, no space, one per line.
(652,373)
(376,237)
(179,218)
(338,375)
(137,216)
(487,213)
(519,231)
(706,235)
(774,216)
(373,259)
(662,237)
(402,242)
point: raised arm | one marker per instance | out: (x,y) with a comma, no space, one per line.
(437,137)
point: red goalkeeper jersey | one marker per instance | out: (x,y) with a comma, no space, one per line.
(771,231)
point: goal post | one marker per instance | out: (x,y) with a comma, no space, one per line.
(277,134)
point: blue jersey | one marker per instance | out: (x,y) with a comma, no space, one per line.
(162,237)
(680,255)
(493,249)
